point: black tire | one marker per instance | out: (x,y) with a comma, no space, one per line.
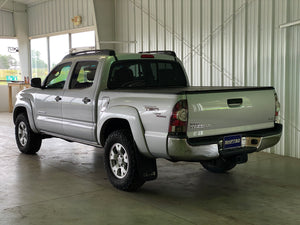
(28,142)
(219,165)
(120,161)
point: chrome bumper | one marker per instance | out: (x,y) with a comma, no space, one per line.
(179,149)
(267,142)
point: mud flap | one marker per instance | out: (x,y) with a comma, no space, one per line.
(147,168)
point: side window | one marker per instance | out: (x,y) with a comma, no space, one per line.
(83,75)
(57,77)
(129,74)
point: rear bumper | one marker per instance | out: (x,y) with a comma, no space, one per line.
(183,149)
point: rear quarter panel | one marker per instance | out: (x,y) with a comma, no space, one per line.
(154,111)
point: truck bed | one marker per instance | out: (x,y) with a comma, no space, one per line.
(190,90)
(211,110)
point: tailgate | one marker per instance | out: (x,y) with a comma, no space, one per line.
(229,111)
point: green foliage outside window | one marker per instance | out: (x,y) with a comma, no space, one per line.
(8,68)
(39,67)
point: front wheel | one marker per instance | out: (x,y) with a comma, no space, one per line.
(28,142)
(120,161)
(218,165)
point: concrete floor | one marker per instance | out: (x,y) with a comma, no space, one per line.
(65,183)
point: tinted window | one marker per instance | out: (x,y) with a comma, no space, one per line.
(58,76)
(146,73)
(83,75)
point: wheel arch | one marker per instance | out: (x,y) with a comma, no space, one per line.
(19,110)
(26,109)
(122,117)
(111,125)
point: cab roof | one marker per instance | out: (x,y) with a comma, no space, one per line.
(167,55)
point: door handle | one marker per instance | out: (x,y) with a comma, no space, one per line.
(235,102)
(86,100)
(58,98)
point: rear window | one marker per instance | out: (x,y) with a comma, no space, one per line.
(146,73)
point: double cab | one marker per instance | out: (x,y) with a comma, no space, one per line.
(140,107)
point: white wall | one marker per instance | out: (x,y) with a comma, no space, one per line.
(56,16)
(105,20)
(4,97)
(6,24)
(232,42)
(21,30)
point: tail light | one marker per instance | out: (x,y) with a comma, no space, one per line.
(179,119)
(277,108)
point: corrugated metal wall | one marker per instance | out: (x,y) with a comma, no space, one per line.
(232,42)
(56,16)
(6,24)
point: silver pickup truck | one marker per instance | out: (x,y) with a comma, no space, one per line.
(140,107)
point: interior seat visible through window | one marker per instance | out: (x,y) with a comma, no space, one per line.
(146,73)
(83,75)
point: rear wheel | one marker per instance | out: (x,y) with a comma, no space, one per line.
(120,161)
(28,142)
(219,165)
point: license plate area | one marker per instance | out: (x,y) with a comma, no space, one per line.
(230,142)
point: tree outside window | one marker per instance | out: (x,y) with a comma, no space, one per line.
(9,62)
(58,47)
(39,54)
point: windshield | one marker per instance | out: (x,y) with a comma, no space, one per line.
(146,73)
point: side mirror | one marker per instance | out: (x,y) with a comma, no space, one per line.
(36,82)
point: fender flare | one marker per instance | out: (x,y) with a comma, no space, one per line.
(131,115)
(25,103)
